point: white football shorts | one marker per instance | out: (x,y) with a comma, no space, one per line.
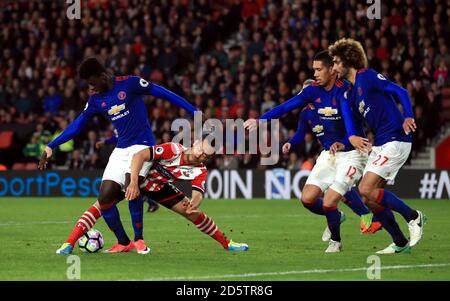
(387,159)
(119,164)
(339,172)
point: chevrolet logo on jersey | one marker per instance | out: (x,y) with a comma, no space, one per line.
(317,129)
(115,109)
(328,111)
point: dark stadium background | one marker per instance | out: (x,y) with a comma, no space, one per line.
(232,59)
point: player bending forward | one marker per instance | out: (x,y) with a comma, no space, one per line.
(173,162)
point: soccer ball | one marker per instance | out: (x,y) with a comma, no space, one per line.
(91,241)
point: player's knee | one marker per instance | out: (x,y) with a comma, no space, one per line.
(307,199)
(364,191)
(110,192)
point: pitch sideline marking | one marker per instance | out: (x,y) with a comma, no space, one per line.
(315,271)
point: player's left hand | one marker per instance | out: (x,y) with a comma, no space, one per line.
(361,144)
(336,147)
(191,208)
(286,148)
(132,191)
(250,124)
(409,125)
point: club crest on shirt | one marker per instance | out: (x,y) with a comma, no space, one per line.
(121,95)
(360,91)
(361,106)
(317,129)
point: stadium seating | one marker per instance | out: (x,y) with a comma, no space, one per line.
(18,166)
(6,138)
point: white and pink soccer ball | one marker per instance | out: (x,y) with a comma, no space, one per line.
(91,241)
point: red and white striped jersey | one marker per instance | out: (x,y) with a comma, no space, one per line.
(168,167)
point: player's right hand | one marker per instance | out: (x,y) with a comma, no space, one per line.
(250,124)
(132,191)
(409,125)
(286,148)
(361,144)
(44,158)
(336,147)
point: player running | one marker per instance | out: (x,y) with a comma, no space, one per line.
(119,99)
(372,96)
(347,165)
(309,121)
(172,162)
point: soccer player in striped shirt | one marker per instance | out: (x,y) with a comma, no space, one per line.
(172,162)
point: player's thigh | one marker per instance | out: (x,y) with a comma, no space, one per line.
(116,167)
(168,196)
(331,198)
(320,178)
(310,193)
(119,164)
(388,160)
(349,169)
(110,192)
(181,207)
(369,182)
(131,151)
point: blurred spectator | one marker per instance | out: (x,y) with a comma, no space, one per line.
(230,162)
(89,146)
(63,150)
(76,161)
(52,101)
(92,163)
(32,150)
(309,148)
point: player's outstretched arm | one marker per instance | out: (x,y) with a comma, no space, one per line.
(302,128)
(162,92)
(409,125)
(136,164)
(143,87)
(71,131)
(298,101)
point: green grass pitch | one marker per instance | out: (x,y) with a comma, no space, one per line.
(284,239)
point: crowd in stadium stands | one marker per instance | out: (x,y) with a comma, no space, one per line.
(231,59)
